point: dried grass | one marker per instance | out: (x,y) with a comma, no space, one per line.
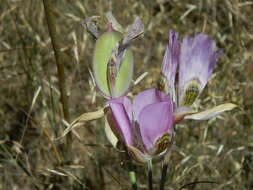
(219,150)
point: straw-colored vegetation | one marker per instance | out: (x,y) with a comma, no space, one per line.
(31,154)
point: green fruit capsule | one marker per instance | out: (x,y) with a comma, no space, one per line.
(102,54)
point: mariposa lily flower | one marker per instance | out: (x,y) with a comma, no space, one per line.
(196,58)
(144,125)
(198,55)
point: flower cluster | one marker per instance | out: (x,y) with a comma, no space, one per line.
(145,124)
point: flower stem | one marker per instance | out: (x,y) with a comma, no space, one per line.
(164,169)
(133,180)
(163,176)
(150,178)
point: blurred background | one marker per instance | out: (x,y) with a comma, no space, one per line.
(218,150)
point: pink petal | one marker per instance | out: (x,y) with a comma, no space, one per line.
(145,98)
(121,112)
(170,61)
(155,120)
(198,56)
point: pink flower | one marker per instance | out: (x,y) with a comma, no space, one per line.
(144,125)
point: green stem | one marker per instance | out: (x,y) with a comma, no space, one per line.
(164,169)
(150,177)
(48,6)
(133,180)
(163,175)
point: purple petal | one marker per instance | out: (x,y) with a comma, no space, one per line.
(121,112)
(127,105)
(197,59)
(155,121)
(147,97)
(170,60)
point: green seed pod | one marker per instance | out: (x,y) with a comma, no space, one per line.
(102,54)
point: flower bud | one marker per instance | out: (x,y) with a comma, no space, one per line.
(112,80)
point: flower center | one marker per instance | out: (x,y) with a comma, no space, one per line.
(162,144)
(161,84)
(191,93)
